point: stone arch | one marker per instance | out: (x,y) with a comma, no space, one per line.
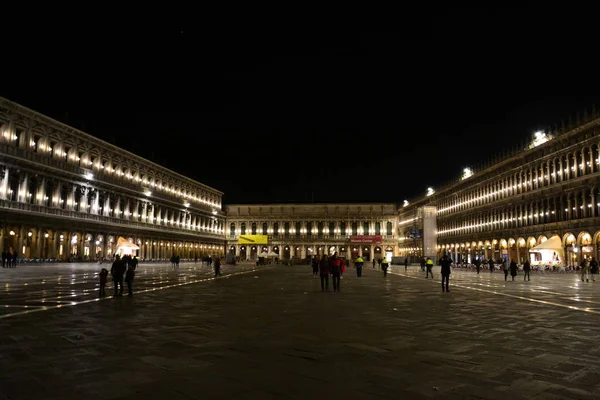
(541,239)
(568,239)
(531,242)
(584,239)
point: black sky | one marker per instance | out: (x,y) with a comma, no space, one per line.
(335,112)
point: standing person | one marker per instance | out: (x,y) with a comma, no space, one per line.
(324,272)
(513,269)
(446,262)
(478,265)
(406,264)
(103,279)
(217,266)
(491,263)
(315,266)
(374,263)
(379,262)
(384,266)
(117,270)
(336,270)
(423,264)
(173,262)
(505,269)
(358,263)
(429,264)
(177,262)
(526,270)
(594,268)
(13,259)
(129,277)
(585,270)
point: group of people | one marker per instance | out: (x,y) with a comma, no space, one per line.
(335,266)
(9,259)
(122,266)
(175,261)
(589,268)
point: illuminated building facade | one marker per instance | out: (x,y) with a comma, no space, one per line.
(298,231)
(67,195)
(549,190)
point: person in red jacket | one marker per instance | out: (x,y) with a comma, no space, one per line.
(336,271)
(324,270)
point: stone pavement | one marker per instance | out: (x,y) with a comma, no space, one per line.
(271,333)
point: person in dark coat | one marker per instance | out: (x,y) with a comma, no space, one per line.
(129,278)
(594,268)
(491,263)
(324,272)
(513,269)
(117,270)
(315,266)
(406,264)
(445,262)
(526,270)
(217,266)
(478,265)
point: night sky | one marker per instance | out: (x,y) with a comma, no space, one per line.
(306,112)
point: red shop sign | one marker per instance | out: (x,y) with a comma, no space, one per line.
(366,239)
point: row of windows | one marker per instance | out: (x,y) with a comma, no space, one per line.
(99,165)
(309,229)
(573,206)
(561,168)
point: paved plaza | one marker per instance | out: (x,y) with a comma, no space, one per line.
(269,332)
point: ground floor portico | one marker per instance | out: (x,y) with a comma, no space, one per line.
(303,251)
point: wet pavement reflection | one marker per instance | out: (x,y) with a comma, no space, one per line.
(30,288)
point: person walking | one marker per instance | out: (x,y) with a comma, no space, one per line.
(429,265)
(103,280)
(379,262)
(217,263)
(585,270)
(446,263)
(513,269)
(384,266)
(117,270)
(336,270)
(594,268)
(324,272)
(129,277)
(491,264)
(505,269)
(358,263)
(477,265)
(423,264)
(406,264)
(315,266)
(526,270)
(374,263)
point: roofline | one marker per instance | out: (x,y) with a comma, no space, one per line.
(48,120)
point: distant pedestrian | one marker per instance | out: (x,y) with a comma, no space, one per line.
(491,263)
(446,263)
(177,262)
(585,270)
(217,266)
(173,262)
(103,279)
(406,264)
(594,268)
(117,270)
(324,272)
(335,264)
(505,269)
(315,266)
(358,263)
(526,270)
(513,269)
(429,265)
(374,263)
(423,262)
(379,262)
(384,266)
(129,277)
(478,265)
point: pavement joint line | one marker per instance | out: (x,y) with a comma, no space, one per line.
(75,303)
(587,309)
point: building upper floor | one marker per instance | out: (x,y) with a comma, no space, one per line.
(30,136)
(306,221)
(120,188)
(536,185)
